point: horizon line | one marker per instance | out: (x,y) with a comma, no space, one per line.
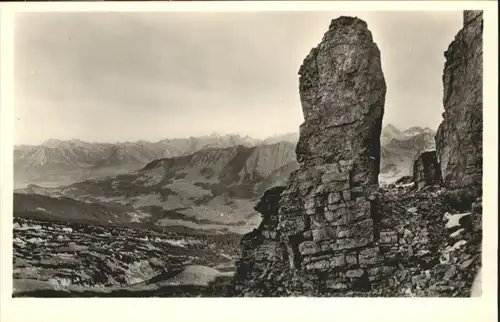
(213,133)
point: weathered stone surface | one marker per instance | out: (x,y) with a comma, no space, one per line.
(351,259)
(324,233)
(360,229)
(477,215)
(355,273)
(426,170)
(342,91)
(379,272)
(337,286)
(388,238)
(309,248)
(350,243)
(329,262)
(369,256)
(459,142)
(263,245)
(334,198)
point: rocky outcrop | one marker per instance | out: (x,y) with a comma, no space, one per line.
(439,250)
(342,91)
(459,137)
(337,233)
(261,247)
(426,170)
(327,213)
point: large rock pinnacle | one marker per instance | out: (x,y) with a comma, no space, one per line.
(325,232)
(342,91)
(327,215)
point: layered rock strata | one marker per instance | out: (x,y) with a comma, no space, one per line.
(426,170)
(327,219)
(459,137)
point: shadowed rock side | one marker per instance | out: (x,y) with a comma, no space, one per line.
(459,137)
(426,170)
(327,211)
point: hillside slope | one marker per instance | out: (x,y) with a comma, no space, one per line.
(210,189)
(57,162)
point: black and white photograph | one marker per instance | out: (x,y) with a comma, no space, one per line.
(248,154)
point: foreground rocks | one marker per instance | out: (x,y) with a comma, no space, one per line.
(459,142)
(77,258)
(430,249)
(262,247)
(439,252)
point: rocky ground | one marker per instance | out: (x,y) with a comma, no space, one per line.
(439,236)
(56,259)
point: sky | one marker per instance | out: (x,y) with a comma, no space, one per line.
(107,77)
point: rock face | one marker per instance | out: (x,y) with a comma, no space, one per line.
(327,213)
(426,170)
(342,91)
(261,247)
(459,137)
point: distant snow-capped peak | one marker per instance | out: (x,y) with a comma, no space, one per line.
(416,130)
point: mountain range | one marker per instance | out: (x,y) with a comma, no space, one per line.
(399,148)
(209,183)
(57,162)
(213,188)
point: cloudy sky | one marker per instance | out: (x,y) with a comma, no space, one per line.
(131,76)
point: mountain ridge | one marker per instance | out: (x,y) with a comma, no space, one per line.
(399,148)
(58,162)
(213,188)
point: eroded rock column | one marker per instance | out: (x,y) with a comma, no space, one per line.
(328,213)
